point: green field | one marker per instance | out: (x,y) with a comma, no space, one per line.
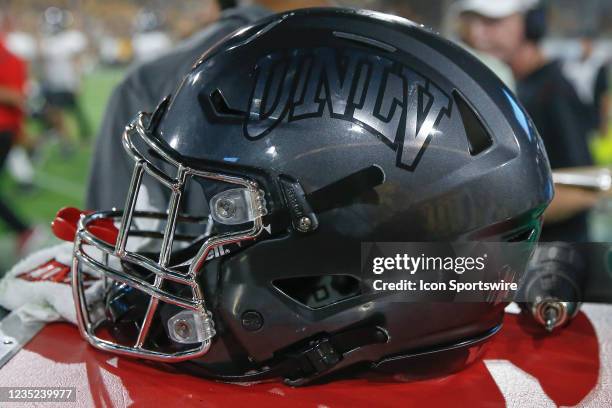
(60,179)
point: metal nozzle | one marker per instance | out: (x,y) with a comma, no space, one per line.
(552,313)
(550,318)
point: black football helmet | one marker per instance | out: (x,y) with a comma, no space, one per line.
(286,146)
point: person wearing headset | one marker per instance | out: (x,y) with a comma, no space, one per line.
(511,30)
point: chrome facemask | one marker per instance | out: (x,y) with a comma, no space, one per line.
(239,209)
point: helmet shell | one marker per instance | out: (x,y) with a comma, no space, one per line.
(318,95)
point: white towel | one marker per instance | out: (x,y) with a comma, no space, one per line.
(39,287)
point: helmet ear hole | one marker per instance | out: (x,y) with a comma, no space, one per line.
(320,291)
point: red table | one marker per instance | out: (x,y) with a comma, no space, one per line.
(522,367)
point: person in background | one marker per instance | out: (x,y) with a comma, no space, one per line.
(603,104)
(13,76)
(147,84)
(24,45)
(141,90)
(511,30)
(149,40)
(463,27)
(589,75)
(61,51)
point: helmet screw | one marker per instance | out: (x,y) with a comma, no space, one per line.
(304,224)
(226,208)
(182,329)
(252,320)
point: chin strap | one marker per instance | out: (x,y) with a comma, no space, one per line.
(322,354)
(303,208)
(306,363)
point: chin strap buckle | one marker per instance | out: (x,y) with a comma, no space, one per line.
(313,360)
(318,357)
(324,353)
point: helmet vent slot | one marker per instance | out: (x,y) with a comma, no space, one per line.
(320,291)
(222,108)
(478,137)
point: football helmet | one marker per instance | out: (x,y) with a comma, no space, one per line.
(287,145)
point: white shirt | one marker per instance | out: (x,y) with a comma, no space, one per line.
(22,44)
(150,45)
(582,74)
(60,52)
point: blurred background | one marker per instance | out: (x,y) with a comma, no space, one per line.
(77,51)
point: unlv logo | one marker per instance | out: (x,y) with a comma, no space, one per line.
(391,101)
